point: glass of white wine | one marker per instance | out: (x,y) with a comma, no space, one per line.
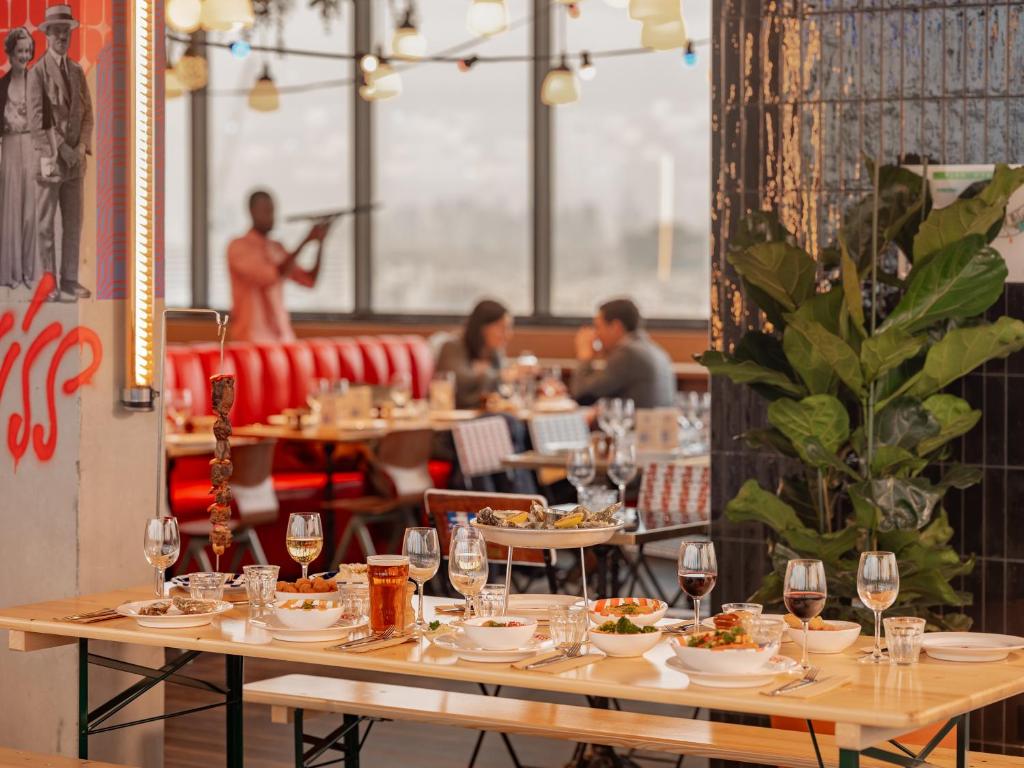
(304,539)
(878,584)
(421,546)
(467,568)
(161,543)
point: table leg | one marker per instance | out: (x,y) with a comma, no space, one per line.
(352,741)
(963,740)
(603,568)
(849,758)
(328,498)
(583,575)
(235,743)
(83,698)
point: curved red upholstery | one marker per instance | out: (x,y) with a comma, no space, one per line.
(325,359)
(170,371)
(421,356)
(277,384)
(351,360)
(188,374)
(303,371)
(375,360)
(249,384)
(399,360)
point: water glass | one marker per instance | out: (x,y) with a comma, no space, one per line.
(903,636)
(597,497)
(765,632)
(260,585)
(355,601)
(622,466)
(568,625)
(206,585)
(491,601)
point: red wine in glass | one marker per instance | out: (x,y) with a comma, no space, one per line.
(698,584)
(805,605)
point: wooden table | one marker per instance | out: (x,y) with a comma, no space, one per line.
(878,703)
(178,445)
(536,460)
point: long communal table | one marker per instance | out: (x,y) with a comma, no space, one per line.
(877,704)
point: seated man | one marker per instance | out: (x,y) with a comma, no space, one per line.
(635,367)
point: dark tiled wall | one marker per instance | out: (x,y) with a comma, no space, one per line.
(801,91)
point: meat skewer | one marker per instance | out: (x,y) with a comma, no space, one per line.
(223,397)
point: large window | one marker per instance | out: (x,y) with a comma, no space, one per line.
(452,160)
(300,153)
(632,182)
(177,216)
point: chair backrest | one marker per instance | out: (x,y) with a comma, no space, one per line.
(277,379)
(481,445)
(400,465)
(351,359)
(302,366)
(422,359)
(376,369)
(450,508)
(555,432)
(674,494)
(251,482)
(399,360)
(325,359)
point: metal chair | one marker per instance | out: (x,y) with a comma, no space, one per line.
(551,433)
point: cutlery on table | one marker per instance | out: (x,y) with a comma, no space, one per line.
(387,634)
(810,676)
(570,652)
(87,618)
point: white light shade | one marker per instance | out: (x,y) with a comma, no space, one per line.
(643,10)
(561,86)
(264,97)
(183,15)
(225,15)
(382,83)
(192,70)
(617,3)
(663,36)
(487,17)
(172,84)
(408,43)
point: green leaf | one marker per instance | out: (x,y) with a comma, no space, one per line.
(901,503)
(852,295)
(896,461)
(819,417)
(769,440)
(954,416)
(884,351)
(753,503)
(770,591)
(958,476)
(961,351)
(964,217)
(904,424)
(938,532)
(866,513)
(824,309)
(747,372)
(817,355)
(963,279)
(929,587)
(812,452)
(782,271)
(827,547)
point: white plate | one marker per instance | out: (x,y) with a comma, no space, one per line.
(835,640)
(173,619)
(530,538)
(335,595)
(457,643)
(456,415)
(733,679)
(970,646)
(279,631)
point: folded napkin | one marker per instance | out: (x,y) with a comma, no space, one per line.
(377,644)
(820,686)
(450,608)
(559,666)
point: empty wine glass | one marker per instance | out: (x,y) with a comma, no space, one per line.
(420,545)
(161,543)
(804,593)
(622,465)
(627,417)
(580,468)
(401,389)
(304,539)
(878,584)
(467,568)
(608,414)
(179,407)
(698,572)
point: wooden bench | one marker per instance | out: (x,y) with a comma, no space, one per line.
(19,758)
(292,695)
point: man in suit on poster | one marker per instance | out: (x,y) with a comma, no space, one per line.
(61,123)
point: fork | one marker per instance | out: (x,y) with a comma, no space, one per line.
(103,613)
(809,677)
(569,652)
(387,634)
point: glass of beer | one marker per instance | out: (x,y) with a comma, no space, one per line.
(387,576)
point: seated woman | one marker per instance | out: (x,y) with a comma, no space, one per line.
(477,356)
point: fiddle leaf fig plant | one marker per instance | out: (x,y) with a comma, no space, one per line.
(859,347)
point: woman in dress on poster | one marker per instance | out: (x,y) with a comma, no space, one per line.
(19,166)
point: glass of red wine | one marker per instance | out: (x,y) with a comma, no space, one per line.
(804,593)
(698,571)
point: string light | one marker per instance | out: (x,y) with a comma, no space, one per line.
(369,63)
(183,15)
(264,96)
(690,56)
(587,69)
(192,70)
(226,15)
(407,42)
(561,86)
(574,10)
(240,48)
(487,17)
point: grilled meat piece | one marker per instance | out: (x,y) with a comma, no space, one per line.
(223,386)
(220,472)
(222,429)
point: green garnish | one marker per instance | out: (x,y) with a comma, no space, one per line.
(624,627)
(434,625)
(307,605)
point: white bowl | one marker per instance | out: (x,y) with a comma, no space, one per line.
(838,640)
(329,596)
(499,638)
(728,661)
(321,615)
(600,610)
(625,645)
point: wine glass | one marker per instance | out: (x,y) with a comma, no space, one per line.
(580,468)
(804,593)
(401,389)
(878,583)
(304,539)
(627,417)
(698,571)
(161,544)
(622,465)
(420,545)
(609,414)
(179,407)
(467,568)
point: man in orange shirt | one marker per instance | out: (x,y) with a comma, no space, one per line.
(259,266)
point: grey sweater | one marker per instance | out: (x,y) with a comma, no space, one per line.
(636,368)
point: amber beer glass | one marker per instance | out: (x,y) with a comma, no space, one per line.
(387,576)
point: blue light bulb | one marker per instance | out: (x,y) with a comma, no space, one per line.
(690,55)
(240,49)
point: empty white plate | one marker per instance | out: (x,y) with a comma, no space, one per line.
(970,646)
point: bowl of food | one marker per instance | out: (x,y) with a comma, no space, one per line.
(499,633)
(624,638)
(308,613)
(824,635)
(642,611)
(318,587)
(723,651)
(734,617)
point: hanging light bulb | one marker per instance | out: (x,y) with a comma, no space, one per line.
(642,10)
(240,48)
(369,62)
(561,86)
(663,35)
(192,70)
(264,97)
(467,63)
(382,83)
(587,69)
(574,10)
(487,17)
(172,83)
(690,55)
(183,15)
(226,15)
(407,42)
(616,3)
